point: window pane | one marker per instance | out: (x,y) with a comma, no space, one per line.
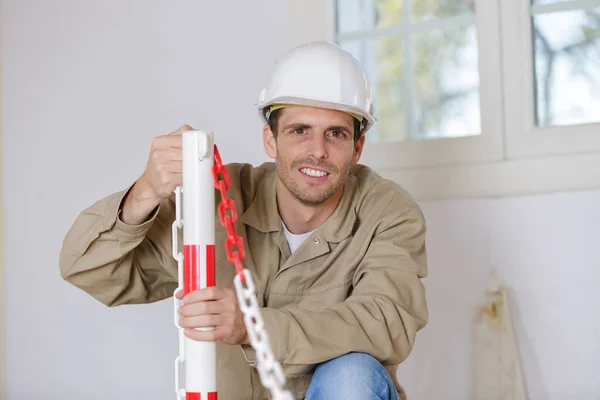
(434,9)
(567,67)
(388,12)
(355,15)
(382,59)
(446,83)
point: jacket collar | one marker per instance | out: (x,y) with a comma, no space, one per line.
(341,223)
(263,214)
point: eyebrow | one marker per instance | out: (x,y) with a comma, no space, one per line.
(296,125)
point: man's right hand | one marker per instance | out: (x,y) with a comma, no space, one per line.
(162,175)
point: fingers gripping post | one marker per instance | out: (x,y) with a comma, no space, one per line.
(202,168)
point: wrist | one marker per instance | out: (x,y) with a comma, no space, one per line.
(139,203)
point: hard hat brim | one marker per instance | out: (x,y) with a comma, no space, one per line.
(299,101)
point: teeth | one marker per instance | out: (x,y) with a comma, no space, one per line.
(313,172)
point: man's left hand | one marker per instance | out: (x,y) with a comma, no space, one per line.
(212,307)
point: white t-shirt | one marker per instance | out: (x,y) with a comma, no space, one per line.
(295,240)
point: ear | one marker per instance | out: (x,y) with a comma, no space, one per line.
(269,142)
(358,148)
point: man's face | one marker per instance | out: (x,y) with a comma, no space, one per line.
(314,151)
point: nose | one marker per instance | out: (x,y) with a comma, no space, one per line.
(318,147)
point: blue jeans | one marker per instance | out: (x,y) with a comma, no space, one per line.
(353,376)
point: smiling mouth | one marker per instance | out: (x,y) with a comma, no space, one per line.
(315,173)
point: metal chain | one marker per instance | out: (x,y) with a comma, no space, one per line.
(270,372)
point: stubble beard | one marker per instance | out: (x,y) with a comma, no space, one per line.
(286,177)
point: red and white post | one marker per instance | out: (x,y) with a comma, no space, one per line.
(198,223)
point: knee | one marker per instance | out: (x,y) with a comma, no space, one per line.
(357,365)
(351,376)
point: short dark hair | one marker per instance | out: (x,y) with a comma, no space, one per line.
(274,122)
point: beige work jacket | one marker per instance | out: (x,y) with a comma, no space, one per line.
(353,285)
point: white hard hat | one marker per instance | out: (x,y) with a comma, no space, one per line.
(319,74)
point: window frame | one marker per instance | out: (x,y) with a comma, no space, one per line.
(510,157)
(523,137)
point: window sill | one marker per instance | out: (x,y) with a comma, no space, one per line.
(514,177)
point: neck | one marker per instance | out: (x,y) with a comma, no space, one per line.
(299,217)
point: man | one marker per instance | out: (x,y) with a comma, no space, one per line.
(337,253)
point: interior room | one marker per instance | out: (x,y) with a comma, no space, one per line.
(486,115)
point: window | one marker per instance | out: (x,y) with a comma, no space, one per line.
(552,75)
(422,57)
(477,97)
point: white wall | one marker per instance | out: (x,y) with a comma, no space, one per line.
(87,85)
(545,248)
(3,364)
(82,101)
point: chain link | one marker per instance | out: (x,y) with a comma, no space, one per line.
(270,372)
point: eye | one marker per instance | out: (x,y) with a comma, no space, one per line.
(299,131)
(338,134)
